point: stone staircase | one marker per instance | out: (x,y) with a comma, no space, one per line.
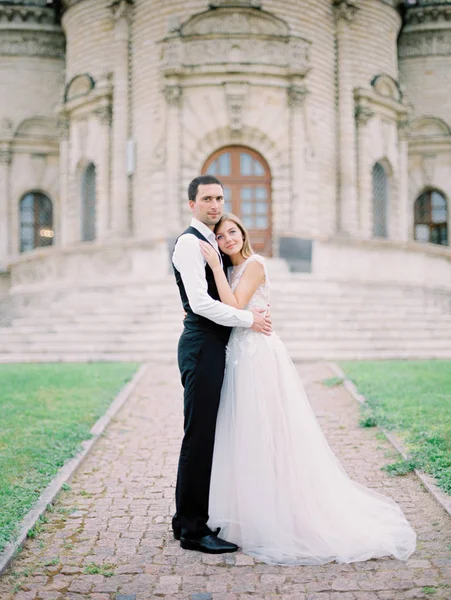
(316,320)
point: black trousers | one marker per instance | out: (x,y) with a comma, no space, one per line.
(201,358)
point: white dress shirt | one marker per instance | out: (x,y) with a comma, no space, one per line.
(190,263)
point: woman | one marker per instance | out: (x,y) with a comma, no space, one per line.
(277,489)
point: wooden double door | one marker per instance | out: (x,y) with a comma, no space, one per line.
(246,178)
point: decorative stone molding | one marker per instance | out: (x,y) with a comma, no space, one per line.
(32,42)
(433,13)
(363,114)
(173,95)
(5,155)
(40,14)
(97,101)
(234,39)
(121,9)
(383,106)
(297,95)
(63,128)
(104,114)
(78,86)
(425,43)
(429,127)
(245,3)
(235,97)
(388,87)
(345,10)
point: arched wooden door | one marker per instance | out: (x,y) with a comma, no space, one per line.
(246,178)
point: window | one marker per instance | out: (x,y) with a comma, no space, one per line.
(88,207)
(36,221)
(380,201)
(247,190)
(431,218)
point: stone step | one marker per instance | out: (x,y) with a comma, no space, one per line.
(319,345)
(282,325)
(169,357)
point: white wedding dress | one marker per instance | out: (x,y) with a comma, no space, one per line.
(277,490)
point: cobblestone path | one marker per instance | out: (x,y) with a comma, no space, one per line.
(108,537)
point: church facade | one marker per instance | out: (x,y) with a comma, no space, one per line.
(328,121)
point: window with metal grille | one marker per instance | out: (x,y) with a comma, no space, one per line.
(380,201)
(431,218)
(36,221)
(246,178)
(88,204)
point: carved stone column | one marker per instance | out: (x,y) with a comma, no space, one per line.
(119,225)
(65,211)
(299,206)
(103,175)
(347,209)
(5,162)
(362,115)
(173,96)
(405,213)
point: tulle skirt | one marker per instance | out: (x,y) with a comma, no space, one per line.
(277,489)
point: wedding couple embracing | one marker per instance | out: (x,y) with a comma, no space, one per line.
(255,470)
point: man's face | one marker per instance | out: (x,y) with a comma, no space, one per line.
(209,204)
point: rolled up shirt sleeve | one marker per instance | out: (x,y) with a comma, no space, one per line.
(190,263)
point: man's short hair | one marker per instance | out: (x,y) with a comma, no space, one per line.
(201,180)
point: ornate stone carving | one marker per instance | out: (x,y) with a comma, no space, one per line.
(345,9)
(429,127)
(121,9)
(32,43)
(173,95)
(232,21)
(296,95)
(235,98)
(425,43)
(363,114)
(104,114)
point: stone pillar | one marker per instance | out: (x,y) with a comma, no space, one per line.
(362,115)
(103,175)
(347,209)
(63,234)
(299,208)
(5,162)
(173,95)
(119,225)
(405,212)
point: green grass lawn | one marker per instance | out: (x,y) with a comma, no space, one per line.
(46,411)
(414,399)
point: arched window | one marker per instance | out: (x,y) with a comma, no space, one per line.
(431,218)
(36,221)
(88,204)
(380,201)
(247,190)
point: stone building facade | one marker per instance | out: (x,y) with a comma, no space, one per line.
(329,121)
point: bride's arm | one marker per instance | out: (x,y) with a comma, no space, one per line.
(252,277)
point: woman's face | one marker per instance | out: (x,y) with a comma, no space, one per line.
(229,238)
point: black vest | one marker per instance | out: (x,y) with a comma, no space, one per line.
(193,321)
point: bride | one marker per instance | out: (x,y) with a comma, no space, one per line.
(277,490)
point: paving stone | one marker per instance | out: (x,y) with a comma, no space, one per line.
(125,522)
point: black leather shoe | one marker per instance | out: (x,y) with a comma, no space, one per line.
(177,533)
(210,544)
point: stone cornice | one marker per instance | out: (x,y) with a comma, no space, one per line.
(426,42)
(432,13)
(16,15)
(48,42)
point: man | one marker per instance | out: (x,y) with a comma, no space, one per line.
(201,359)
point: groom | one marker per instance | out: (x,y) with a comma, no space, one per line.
(201,359)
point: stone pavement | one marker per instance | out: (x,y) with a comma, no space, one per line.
(108,537)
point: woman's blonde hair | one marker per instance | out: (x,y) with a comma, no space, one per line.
(246,250)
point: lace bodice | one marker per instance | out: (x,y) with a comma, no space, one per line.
(260,299)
